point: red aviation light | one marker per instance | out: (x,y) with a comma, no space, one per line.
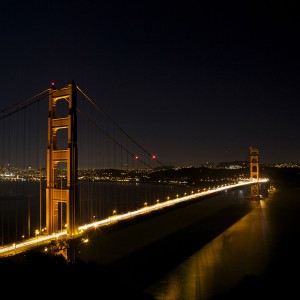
(153,156)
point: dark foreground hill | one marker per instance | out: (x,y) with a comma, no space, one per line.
(37,274)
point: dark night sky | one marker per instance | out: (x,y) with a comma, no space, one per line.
(193,81)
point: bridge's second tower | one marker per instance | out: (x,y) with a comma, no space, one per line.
(63,199)
(254,171)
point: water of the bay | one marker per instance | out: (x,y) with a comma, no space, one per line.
(262,248)
(23,203)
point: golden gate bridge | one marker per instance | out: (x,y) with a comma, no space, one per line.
(67,167)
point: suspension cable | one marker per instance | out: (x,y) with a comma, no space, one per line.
(99,109)
(110,137)
(21,105)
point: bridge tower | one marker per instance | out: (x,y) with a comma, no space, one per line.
(63,199)
(254,172)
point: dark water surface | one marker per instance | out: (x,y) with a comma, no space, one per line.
(22,203)
(256,257)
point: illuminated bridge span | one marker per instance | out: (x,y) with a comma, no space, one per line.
(67,167)
(38,240)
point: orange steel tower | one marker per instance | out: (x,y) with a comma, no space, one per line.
(67,196)
(254,171)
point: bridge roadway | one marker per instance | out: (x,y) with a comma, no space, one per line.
(40,240)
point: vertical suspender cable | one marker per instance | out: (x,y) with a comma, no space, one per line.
(90,181)
(24,153)
(2,229)
(38,163)
(29,154)
(16,165)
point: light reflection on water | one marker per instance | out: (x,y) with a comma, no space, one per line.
(242,249)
